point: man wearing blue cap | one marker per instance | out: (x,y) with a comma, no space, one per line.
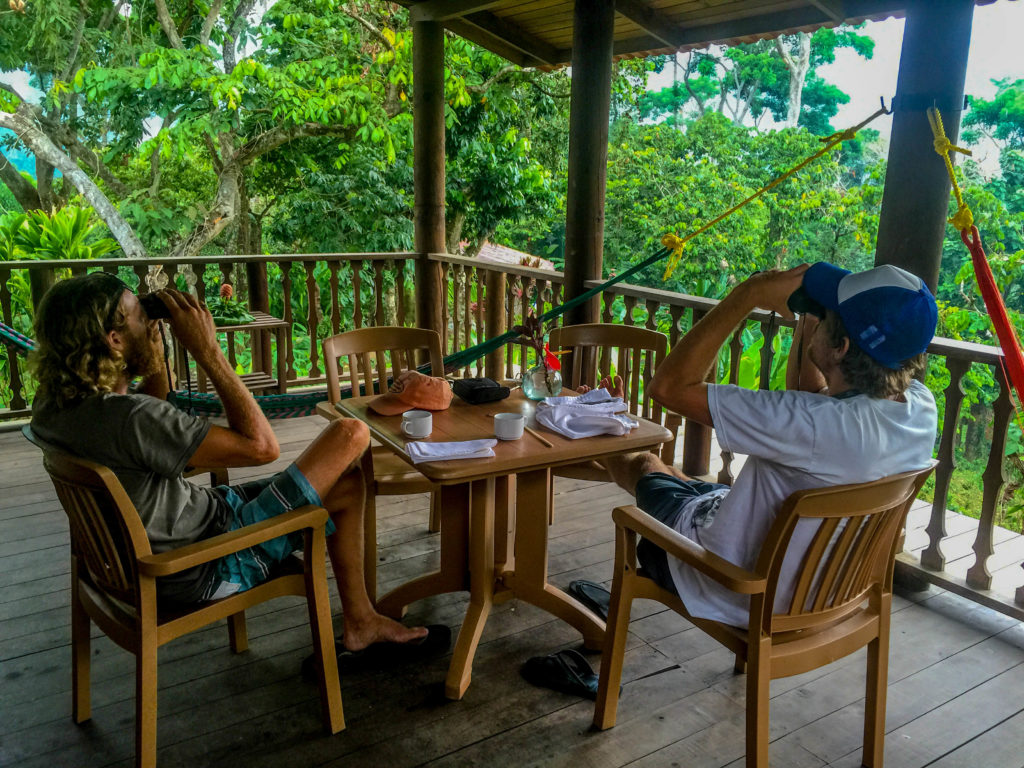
(853,412)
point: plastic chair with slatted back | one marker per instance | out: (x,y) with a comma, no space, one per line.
(635,354)
(375,356)
(113,583)
(841,600)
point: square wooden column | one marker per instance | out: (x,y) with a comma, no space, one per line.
(593,24)
(428,168)
(933,65)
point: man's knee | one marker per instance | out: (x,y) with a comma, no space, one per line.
(349,432)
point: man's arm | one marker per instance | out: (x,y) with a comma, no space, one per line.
(248,440)
(802,374)
(679,382)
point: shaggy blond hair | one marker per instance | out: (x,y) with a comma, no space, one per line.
(72,359)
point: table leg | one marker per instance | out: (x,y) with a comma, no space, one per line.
(481,587)
(530,579)
(504,523)
(452,575)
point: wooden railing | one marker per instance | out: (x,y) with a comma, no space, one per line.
(481,301)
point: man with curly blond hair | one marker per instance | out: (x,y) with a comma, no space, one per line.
(95,339)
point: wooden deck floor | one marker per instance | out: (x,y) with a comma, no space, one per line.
(957,670)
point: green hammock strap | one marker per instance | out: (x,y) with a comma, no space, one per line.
(22,344)
(464,357)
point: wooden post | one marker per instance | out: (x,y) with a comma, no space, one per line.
(428,167)
(593,22)
(39,282)
(933,65)
(494,366)
(259,301)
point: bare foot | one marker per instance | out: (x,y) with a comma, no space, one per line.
(377,629)
(616,389)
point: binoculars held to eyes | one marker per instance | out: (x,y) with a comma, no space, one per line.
(801,303)
(154,307)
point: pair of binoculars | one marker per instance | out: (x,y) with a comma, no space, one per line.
(154,307)
(800,302)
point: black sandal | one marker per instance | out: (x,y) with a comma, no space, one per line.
(592,595)
(564,671)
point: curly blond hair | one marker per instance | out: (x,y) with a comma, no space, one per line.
(72,359)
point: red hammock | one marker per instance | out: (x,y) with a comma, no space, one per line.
(1014,365)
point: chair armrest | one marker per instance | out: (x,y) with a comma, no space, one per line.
(727,574)
(207,550)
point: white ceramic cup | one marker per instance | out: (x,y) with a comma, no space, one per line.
(417,423)
(509,426)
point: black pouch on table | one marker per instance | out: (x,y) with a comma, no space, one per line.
(477,391)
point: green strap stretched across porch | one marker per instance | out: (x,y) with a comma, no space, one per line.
(22,344)
(466,356)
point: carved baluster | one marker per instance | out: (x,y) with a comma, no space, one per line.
(399,270)
(511,285)
(334,265)
(379,318)
(467,313)
(448,289)
(994,478)
(735,353)
(769,331)
(313,318)
(630,302)
(357,293)
(606,313)
(652,311)
(932,557)
(481,335)
(456,278)
(286,289)
(226,273)
(79,268)
(674,333)
(13,366)
(140,270)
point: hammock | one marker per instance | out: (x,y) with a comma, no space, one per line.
(963,220)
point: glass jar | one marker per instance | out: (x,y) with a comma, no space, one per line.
(540,382)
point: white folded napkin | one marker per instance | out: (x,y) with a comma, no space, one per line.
(464,449)
(588,415)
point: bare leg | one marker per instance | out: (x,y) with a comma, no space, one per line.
(329,463)
(626,470)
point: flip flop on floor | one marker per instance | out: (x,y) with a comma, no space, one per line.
(592,595)
(564,671)
(388,654)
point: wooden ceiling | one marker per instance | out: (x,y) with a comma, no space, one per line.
(538,33)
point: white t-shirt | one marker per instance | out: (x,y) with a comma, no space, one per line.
(794,440)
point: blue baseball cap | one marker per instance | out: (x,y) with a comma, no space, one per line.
(889,313)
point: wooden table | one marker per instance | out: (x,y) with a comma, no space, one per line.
(504,558)
(262,377)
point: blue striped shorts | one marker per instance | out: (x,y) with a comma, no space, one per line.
(250,503)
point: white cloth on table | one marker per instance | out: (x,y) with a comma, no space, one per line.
(458,449)
(593,413)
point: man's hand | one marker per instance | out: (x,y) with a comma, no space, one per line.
(192,324)
(770,290)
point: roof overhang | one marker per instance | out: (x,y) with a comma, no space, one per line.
(539,33)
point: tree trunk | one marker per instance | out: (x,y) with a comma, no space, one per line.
(21,188)
(223,213)
(44,184)
(454,234)
(797,65)
(243,238)
(46,151)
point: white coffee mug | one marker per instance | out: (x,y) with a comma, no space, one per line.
(417,423)
(509,426)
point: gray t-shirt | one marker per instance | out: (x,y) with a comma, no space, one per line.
(146,442)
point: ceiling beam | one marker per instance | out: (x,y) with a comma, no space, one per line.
(654,23)
(831,8)
(763,24)
(512,35)
(442,10)
(491,43)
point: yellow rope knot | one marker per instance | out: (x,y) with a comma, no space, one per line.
(963,219)
(673,243)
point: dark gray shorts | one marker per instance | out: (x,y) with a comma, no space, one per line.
(663,496)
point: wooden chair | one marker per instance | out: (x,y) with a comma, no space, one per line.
(841,601)
(635,354)
(113,583)
(369,371)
